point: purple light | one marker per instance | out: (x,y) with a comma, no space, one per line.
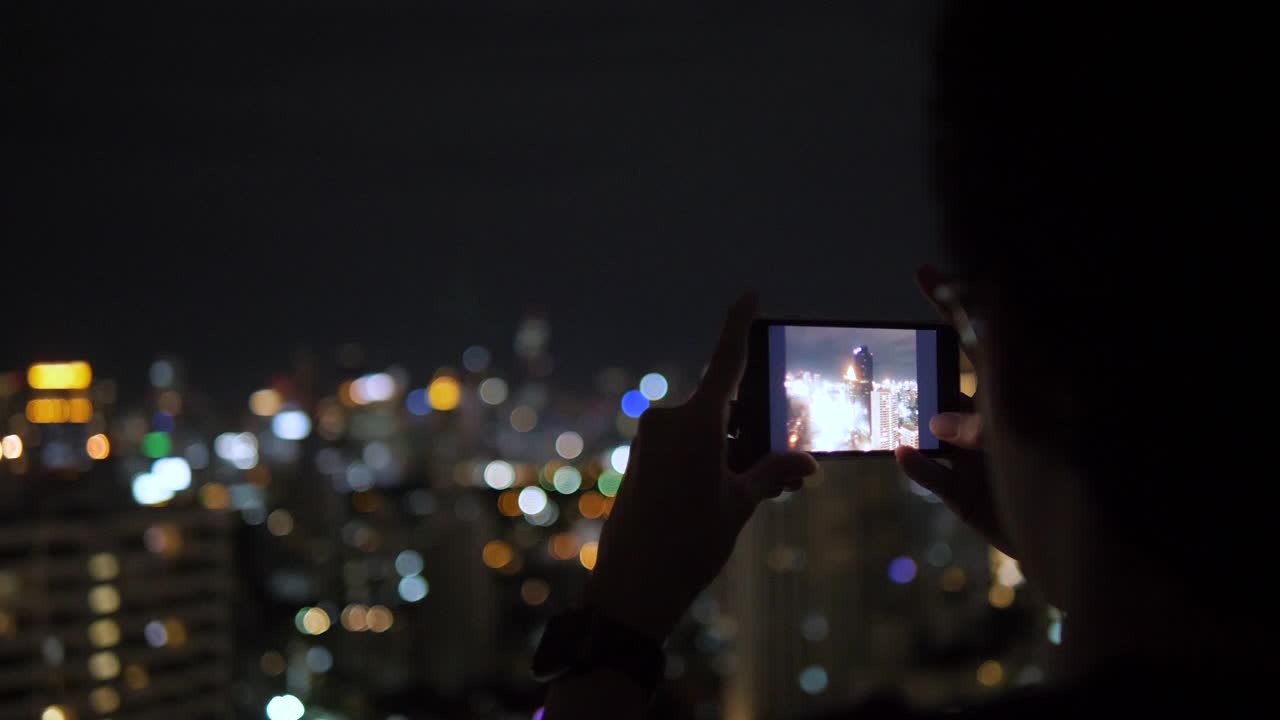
(857,350)
(902,570)
(537,714)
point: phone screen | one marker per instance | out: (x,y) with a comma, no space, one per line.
(851,389)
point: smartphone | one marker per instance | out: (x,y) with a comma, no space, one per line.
(843,388)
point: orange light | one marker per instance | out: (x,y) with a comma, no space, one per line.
(81,410)
(953,579)
(509,503)
(380,619)
(60,376)
(98,446)
(587,556)
(355,618)
(215,496)
(444,393)
(497,554)
(315,621)
(562,546)
(1000,596)
(591,505)
(990,673)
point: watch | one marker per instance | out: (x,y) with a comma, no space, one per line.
(582,639)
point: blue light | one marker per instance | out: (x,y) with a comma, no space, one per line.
(634,403)
(813,679)
(413,588)
(902,570)
(416,402)
(291,425)
(162,422)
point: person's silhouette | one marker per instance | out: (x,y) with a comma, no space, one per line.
(1096,167)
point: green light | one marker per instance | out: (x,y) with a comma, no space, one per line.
(300,620)
(567,480)
(609,482)
(156,444)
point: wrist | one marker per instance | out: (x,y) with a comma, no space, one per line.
(628,606)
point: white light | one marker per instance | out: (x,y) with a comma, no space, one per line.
(493,391)
(173,473)
(148,490)
(569,445)
(378,387)
(499,475)
(291,425)
(408,562)
(532,500)
(653,386)
(619,457)
(239,449)
(285,707)
(413,588)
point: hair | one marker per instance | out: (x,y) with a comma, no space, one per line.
(1096,166)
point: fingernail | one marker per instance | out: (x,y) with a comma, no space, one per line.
(945,425)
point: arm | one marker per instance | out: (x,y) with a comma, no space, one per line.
(677,515)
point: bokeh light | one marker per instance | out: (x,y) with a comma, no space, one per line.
(173,473)
(990,673)
(104,599)
(280,522)
(476,358)
(619,457)
(285,707)
(408,562)
(265,403)
(104,633)
(105,699)
(813,679)
(653,386)
(609,482)
(532,500)
(591,504)
(156,444)
(499,475)
(11,447)
(524,418)
(355,618)
(380,619)
(103,566)
(535,591)
(417,402)
(104,665)
(444,393)
(60,376)
(567,480)
(569,445)
(497,554)
(1001,596)
(97,446)
(315,621)
(587,555)
(412,588)
(563,546)
(634,403)
(902,570)
(493,391)
(319,659)
(291,425)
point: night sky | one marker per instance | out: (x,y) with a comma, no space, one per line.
(231,183)
(829,351)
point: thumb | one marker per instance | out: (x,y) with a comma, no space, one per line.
(768,477)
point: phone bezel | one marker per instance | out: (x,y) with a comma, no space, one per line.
(751,409)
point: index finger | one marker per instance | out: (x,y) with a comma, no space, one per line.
(724,372)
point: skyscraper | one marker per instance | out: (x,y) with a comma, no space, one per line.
(126,616)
